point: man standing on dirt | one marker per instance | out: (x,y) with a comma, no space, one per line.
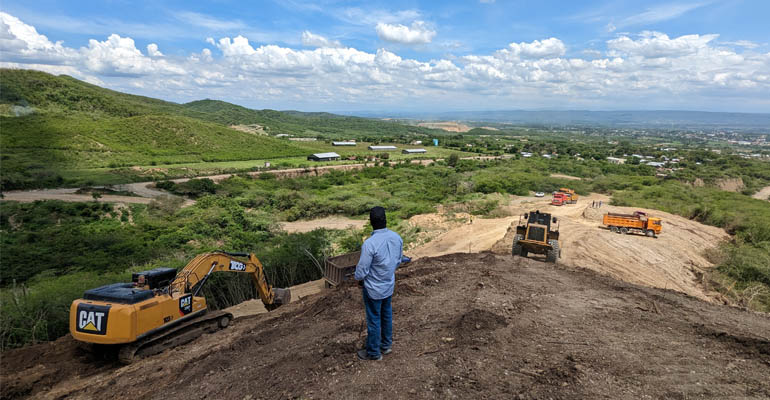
(376,271)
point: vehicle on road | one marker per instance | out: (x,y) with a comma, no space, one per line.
(539,194)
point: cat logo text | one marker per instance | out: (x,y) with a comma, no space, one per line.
(92,318)
(185,305)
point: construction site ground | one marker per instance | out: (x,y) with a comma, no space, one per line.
(465,326)
(619,316)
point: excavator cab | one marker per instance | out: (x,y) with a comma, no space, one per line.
(535,236)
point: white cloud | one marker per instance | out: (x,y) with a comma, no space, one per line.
(660,13)
(645,70)
(238,46)
(152,50)
(742,43)
(119,56)
(656,44)
(209,22)
(418,33)
(312,40)
(546,48)
(20,41)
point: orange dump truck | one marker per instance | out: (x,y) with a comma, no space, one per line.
(636,222)
(571,195)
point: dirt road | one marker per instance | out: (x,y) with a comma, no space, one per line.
(69,195)
(465,326)
(331,222)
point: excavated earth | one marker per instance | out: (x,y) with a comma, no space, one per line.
(465,326)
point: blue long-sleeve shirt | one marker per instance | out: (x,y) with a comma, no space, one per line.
(380,256)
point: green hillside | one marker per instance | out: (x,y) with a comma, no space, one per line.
(65,125)
(328,125)
(50,93)
(59,131)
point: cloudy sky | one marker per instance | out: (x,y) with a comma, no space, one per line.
(406,55)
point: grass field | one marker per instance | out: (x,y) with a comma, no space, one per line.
(188,166)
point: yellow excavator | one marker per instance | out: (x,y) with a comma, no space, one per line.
(161,308)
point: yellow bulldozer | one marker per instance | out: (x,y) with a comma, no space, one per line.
(537,235)
(161,308)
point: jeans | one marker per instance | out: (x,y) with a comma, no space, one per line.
(379,324)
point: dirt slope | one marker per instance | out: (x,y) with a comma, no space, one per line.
(466,326)
(763,194)
(477,235)
(674,260)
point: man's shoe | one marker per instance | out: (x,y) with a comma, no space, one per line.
(362,355)
(386,351)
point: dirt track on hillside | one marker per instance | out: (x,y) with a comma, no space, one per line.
(466,326)
(331,222)
(69,195)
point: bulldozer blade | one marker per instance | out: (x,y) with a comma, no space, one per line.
(281,296)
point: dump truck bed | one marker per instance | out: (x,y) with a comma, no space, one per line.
(629,221)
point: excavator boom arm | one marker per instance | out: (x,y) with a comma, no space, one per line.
(197,271)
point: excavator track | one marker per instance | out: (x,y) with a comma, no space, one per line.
(177,335)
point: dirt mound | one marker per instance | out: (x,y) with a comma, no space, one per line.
(465,326)
(45,365)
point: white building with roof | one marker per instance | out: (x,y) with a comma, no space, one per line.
(382,148)
(323,157)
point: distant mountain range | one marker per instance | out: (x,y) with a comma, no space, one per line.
(628,119)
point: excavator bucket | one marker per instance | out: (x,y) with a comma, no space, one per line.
(281,296)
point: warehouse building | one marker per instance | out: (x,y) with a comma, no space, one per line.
(323,157)
(414,151)
(382,148)
(343,143)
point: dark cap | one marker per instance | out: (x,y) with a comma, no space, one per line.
(377,217)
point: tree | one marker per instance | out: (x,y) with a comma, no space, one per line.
(452,161)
